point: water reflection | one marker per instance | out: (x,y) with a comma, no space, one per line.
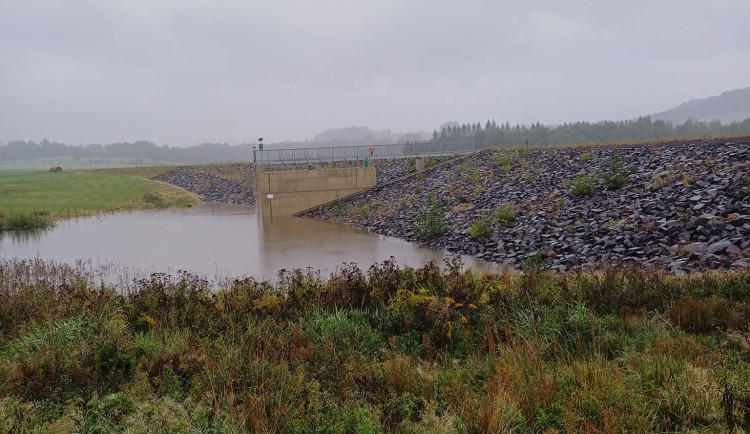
(296,242)
(216,242)
(23,236)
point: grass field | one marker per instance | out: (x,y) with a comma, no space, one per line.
(67,194)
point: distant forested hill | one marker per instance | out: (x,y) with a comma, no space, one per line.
(730,106)
(363,136)
(358,134)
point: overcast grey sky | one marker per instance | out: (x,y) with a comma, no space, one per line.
(183,72)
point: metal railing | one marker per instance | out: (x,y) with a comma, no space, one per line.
(354,153)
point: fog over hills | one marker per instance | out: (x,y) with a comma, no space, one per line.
(730,106)
(353,133)
(364,135)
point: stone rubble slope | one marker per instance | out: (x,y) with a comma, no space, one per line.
(235,183)
(225,183)
(685,206)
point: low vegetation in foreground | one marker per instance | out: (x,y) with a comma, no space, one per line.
(383,350)
(32,199)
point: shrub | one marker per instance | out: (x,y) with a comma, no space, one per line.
(506,213)
(525,149)
(112,408)
(431,222)
(58,359)
(616,176)
(702,316)
(268,304)
(465,165)
(25,222)
(656,181)
(363,211)
(502,159)
(733,375)
(481,227)
(586,156)
(476,176)
(337,208)
(584,185)
(533,262)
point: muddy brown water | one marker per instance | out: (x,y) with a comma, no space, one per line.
(215,242)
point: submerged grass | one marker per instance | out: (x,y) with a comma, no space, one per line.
(24,221)
(377,350)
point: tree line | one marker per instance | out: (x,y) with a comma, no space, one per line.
(138,151)
(643,128)
(489,135)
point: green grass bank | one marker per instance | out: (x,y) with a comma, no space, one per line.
(43,196)
(381,350)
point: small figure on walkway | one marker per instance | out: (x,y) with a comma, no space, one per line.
(372,150)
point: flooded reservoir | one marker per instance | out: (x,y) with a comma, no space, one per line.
(215,242)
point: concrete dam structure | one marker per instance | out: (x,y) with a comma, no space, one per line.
(284,193)
(280,193)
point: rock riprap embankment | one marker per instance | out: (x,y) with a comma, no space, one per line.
(684,206)
(235,183)
(224,183)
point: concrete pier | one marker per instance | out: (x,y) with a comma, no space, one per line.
(287,192)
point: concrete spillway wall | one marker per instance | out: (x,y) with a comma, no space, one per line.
(288,192)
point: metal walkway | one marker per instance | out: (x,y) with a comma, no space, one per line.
(358,153)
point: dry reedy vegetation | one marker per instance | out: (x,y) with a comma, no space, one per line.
(383,349)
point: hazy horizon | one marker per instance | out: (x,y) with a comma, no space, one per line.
(181,73)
